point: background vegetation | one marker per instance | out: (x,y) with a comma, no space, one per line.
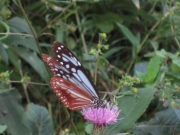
(143,38)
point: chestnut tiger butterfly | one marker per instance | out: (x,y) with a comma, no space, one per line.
(70,81)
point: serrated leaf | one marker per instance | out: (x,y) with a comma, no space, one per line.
(11,112)
(166,122)
(34,61)
(37,120)
(131,109)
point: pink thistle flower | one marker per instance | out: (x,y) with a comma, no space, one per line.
(101,116)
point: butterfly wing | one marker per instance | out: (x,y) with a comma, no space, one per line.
(70,94)
(67,66)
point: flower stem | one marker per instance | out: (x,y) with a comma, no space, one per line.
(98,130)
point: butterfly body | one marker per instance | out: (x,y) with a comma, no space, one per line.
(70,80)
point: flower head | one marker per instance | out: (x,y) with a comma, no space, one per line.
(101,116)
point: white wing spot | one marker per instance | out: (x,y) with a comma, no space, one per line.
(67,66)
(64,77)
(59,48)
(59,56)
(65,59)
(57,51)
(71,59)
(61,63)
(48,59)
(73,69)
(58,75)
(62,46)
(61,72)
(79,63)
(56,69)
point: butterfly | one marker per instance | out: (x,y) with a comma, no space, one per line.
(70,81)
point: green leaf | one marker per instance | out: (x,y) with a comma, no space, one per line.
(152,69)
(141,76)
(131,109)
(102,62)
(174,74)
(166,122)
(37,120)
(162,53)
(89,128)
(135,40)
(13,58)
(108,25)
(34,61)
(5,90)
(18,25)
(2,128)
(140,67)
(177,61)
(7,30)
(9,104)
(90,58)
(3,53)
(111,51)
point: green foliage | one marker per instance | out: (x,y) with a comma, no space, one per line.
(11,112)
(37,120)
(2,128)
(130,49)
(165,122)
(131,109)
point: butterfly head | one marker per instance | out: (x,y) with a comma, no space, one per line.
(96,103)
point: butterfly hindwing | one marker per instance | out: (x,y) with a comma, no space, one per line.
(70,94)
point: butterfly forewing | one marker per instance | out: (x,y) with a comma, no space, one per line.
(70,80)
(71,69)
(70,94)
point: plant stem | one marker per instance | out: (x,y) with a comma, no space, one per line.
(21,34)
(80,30)
(34,83)
(55,18)
(98,130)
(33,32)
